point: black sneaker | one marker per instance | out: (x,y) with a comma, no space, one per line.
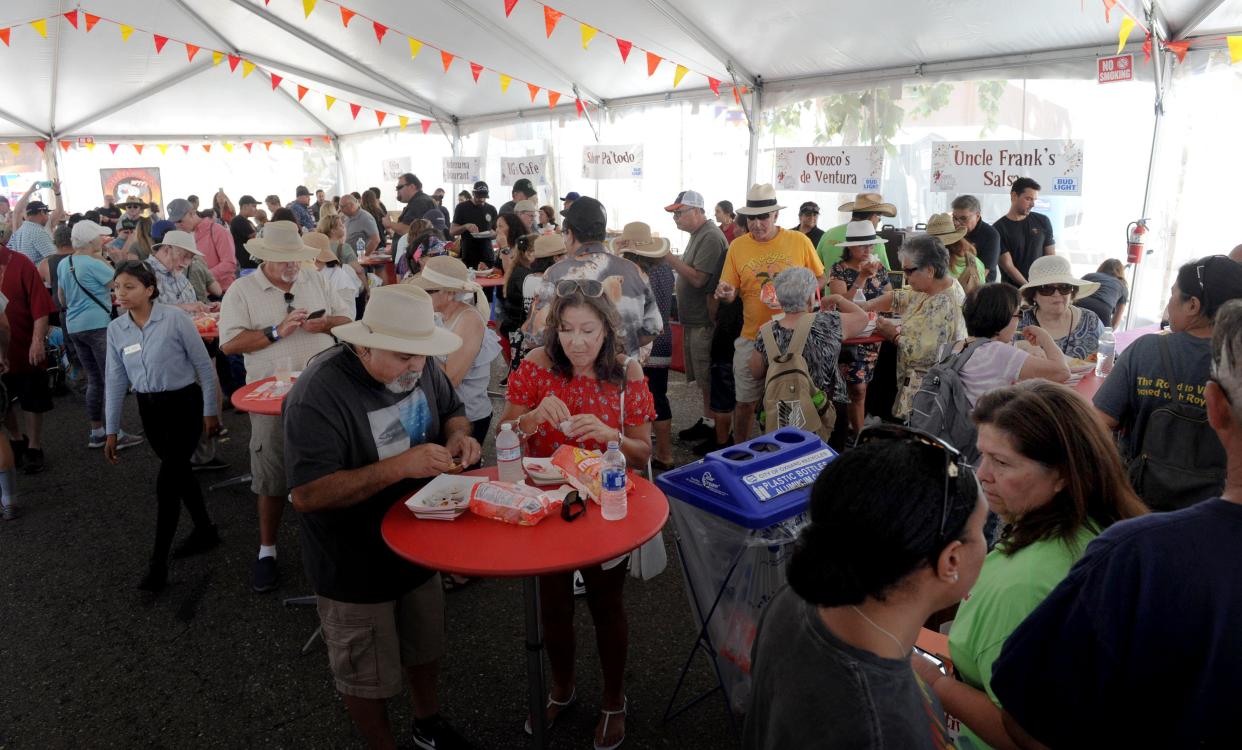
(266,575)
(19,451)
(34,460)
(155,580)
(198,542)
(434,733)
(214,464)
(697,431)
(709,446)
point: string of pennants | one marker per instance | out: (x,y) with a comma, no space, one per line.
(228,146)
(1130,21)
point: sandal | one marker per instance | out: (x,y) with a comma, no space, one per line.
(624,710)
(562,705)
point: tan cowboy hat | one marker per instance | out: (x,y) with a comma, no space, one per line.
(871,202)
(400,318)
(548,245)
(280,243)
(525,205)
(941,227)
(760,199)
(638,235)
(1055,269)
(179,239)
(861,233)
(444,272)
(320,242)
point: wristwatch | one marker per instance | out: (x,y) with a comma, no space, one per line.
(272,334)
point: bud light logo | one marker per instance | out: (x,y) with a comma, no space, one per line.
(1065,185)
(871,183)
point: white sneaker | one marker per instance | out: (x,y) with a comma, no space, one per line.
(125,440)
(579,584)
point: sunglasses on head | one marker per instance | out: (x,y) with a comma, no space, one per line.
(567,506)
(1047,290)
(288,302)
(955,464)
(588,287)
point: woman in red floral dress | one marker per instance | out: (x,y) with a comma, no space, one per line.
(569,393)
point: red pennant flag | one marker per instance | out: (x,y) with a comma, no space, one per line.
(72,18)
(380,31)
(185,147)
(578,106)
(4,36)
(553,98)
(190,51)
(715,85)
(379,120)
(475,70)
(509,5)
(1108,10)
(276,81)
(308,141)
(91,21)
(248,146)
(43,146)
(160,41)
(624,46)
(534,91)
(302,91)
(426,126)
(354,109)
(207,147)
(138,148)
(1179,49)
(1147,48)
(327,139)
(347,15)
(447,59)
(653,62)
(113,146)
(550,17)
(233,60)
(267,145)
(737,98)
(64,145)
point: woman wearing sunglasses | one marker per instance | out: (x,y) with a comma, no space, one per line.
(832,655)
(1050,471)
(1049,294)
(580,389)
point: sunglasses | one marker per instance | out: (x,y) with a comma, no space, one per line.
(401,185)
(588,287)
(956,466)
(1047,290)
(908,271)
(759,217)
(567,506)
(288,302)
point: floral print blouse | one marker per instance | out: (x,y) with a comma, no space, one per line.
(930,326)
(1082,341)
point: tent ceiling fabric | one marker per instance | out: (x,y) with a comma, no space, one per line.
(778,40)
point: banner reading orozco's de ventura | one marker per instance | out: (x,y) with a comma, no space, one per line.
(992,166)
(463,168)
(846,169)
(533,168)
(612,162)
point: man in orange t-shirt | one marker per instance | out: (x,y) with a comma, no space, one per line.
(751,264)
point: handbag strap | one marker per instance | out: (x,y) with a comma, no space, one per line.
(86,291)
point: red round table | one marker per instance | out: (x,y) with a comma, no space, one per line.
(477,546)
(1089,384)
(486,281)
(387,268)
(257,398)
(862,340)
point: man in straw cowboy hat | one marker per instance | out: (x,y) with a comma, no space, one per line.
(865,207)
(365,426)
(750,266)
(280,314)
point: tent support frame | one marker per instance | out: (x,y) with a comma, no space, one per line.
(1196,19)
(707,41)
(132,99)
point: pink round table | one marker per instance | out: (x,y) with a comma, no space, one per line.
(257,398)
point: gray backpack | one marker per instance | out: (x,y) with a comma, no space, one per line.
(940,407)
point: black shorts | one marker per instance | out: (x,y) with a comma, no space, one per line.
(722,397)
(30,390)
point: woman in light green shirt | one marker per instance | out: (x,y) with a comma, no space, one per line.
(1053,475)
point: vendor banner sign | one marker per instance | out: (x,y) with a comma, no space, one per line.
(992,166)
(612,162)
(460,169)
(142,183)
(533,168)
(848,169)
(394,168)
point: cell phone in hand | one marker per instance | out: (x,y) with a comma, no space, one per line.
(317,314)
(932,658)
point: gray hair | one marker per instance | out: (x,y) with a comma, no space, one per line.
(967,203)
(1227,352)
(925,251)
(794,287)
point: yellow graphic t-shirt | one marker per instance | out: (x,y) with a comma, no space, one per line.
(750,267)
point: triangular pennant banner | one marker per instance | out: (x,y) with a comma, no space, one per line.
(228,147)
(737,98)
(509,5)
(578,106)
(43,146)
(354,109)
(1147,49)
(329,100)
(403,120)
(185,147)
(288,143)
(15,147)
(138,148)
(267,145)
(1235,48)
(553,98)
(504,83)
(125,32)
(588,33)
(216,57)
(247,68)
(534,91)
(447,59)
(64,145)
(302,91)
(1108,10)
(4,36)
(308,141)
(380,31)
(276,81)
(233,60)
(415,47)
(550,17)
(72,18)
(90,146)
(41,27)
(680,73)
(113,146)
(91,21)
(714,85)
(163,147)
(160,41)
(1127,25)
(379,119)
(327,139)
(653,62)
(624,46)
(475,70)
(248,146)
(207,147)
(190,51)
(347,15)
(308,6)
(426,126)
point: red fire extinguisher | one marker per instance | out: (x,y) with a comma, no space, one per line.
(1134,241)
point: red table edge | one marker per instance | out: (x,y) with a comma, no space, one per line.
(862,340)
(239,401)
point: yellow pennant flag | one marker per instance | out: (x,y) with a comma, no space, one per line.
(588,33)
(247,68)
(17,147)
(415,47)
(1127,25)
(1235,48)
(308,6)
(329,100)
(40,26)
(90,146)
(163,147)
(403,120)
(216,58)
(125,32)
(504,83)
(228,147)
(288,143)
(681,72)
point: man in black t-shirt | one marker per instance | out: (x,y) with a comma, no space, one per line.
(417,203)
(523,190)
(475,216)
(979,233)
(242,230)
(808,222)
(1025,235)
(109,214)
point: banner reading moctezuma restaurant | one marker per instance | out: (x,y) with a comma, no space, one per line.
(992,166)
(533,168)
(846,169)
(142,183)
(612,162)
(463,169)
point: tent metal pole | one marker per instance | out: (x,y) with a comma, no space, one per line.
(340,165)
(60,29)
(707,41)
(5,114)
(1205,10)
(755,120)
(132,99)
(311,75)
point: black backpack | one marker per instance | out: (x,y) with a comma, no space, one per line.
(940,406)
(1180,461)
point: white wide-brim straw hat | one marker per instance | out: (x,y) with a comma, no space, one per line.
(871,202)
(941,227)
(548,246)
(444,272)
(180,239)
(638,235)
(861,233)
(760,199)
(323,244)
(281,243)
(400,318)
(1055,269)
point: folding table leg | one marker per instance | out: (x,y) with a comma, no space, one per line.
(534,661)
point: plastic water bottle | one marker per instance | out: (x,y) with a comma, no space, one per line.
(860,299)
(1106,353)
(361,246)
(509,455)
(612,478)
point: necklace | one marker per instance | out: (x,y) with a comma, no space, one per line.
(870,622)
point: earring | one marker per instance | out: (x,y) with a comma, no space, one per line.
(955,577)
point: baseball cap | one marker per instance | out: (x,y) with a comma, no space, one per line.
(685,199)
(301,191)
(177,209)
(525,186)
(247,200)
(436,217)
(480,187)
(161,228)
(34,207)
(86,231)
(810,207)
(525,205)
(586,214)
(570,197)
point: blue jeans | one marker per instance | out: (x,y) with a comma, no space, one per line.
(92,349)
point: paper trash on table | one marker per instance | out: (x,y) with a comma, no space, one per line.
(444,498)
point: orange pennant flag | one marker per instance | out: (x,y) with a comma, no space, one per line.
(267,145)
(190,51)
(447,59)
(415,47)
(91,21)
(682,70)
(534,91)
(64,145)
(1108,10)
(302,91)
(403,120)
(4,36)
(714,85)
(308,6)
(1235,48)
(207,147)
(550,17)
(41,27)
(1178,49)
(379,119)
(588,33)
(138,148)
(1127,25)
(347,15)
(553,98)
(653,62)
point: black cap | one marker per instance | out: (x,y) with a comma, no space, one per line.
(247,200)
(586,214)
(301,191)
(480,187)
(525,186)
(810,207)
(34,207)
